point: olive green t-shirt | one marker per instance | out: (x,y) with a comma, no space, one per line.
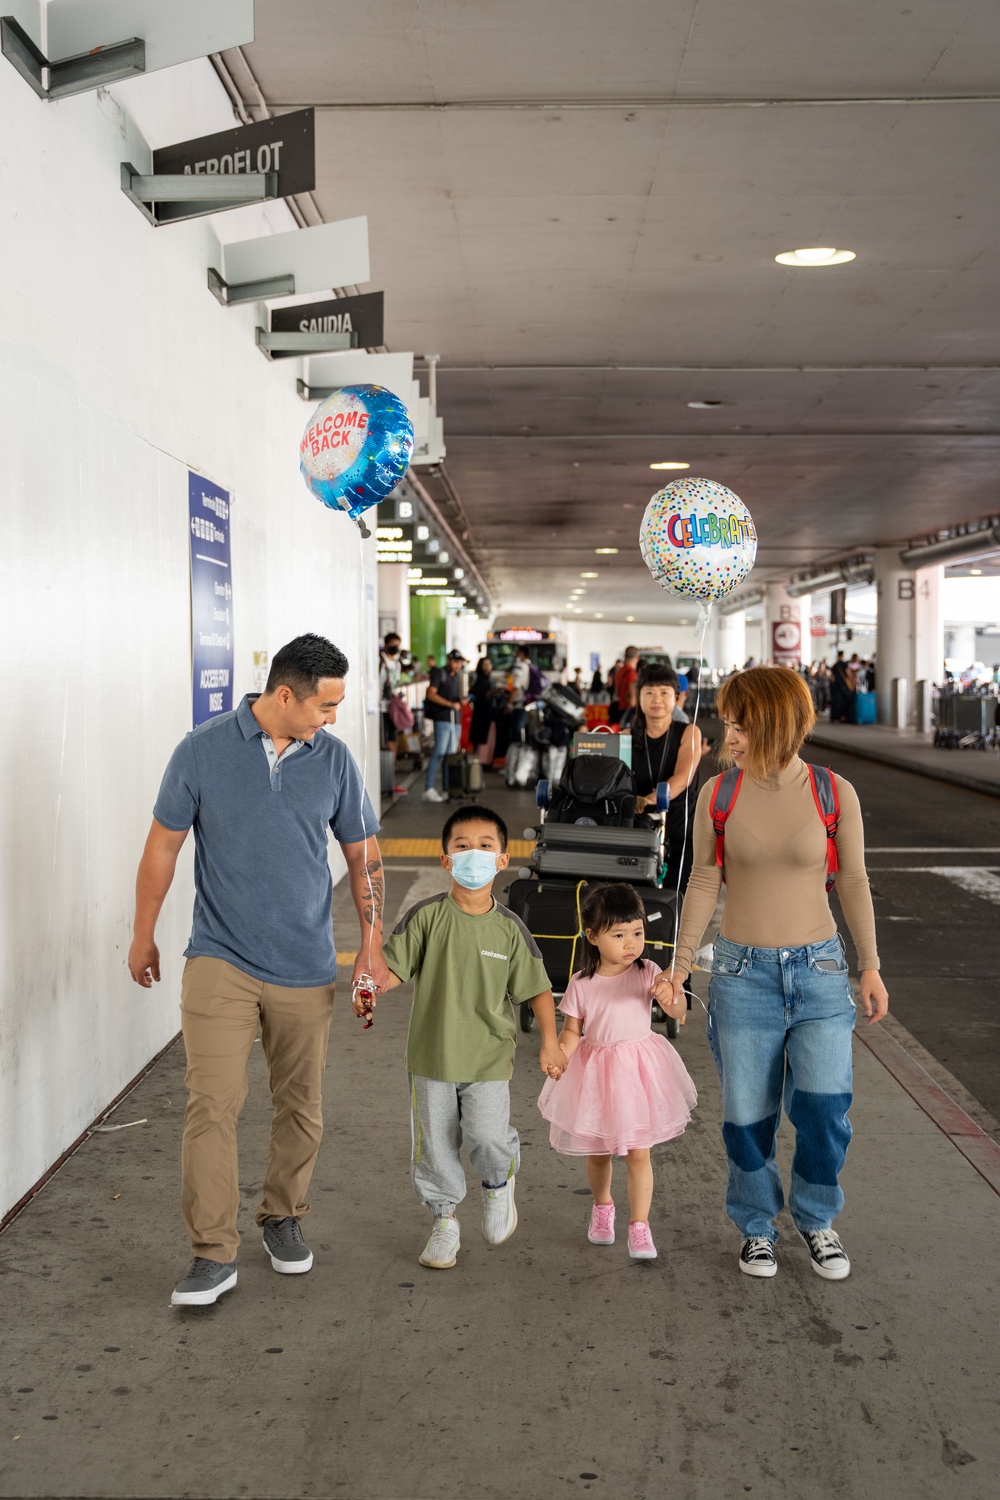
(469,973)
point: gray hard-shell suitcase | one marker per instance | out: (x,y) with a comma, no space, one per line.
(521,765)
(463,774)
(574,850)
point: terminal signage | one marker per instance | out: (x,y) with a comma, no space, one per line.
(363,315)
(394,543)
(286,145)
(211,599)
(786,643)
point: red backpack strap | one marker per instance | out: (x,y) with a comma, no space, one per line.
(727,789)
(824,790)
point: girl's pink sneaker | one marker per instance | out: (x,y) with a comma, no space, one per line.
(640,1241)
(602,1224)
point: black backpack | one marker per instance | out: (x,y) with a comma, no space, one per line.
(597,789)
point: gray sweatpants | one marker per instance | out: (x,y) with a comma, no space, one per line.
(442,1117)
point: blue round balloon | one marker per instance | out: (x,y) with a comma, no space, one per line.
(356,447)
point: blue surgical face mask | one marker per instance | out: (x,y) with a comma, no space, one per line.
(473,868)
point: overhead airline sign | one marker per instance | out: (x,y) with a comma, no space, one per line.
(286,145)
(362,315)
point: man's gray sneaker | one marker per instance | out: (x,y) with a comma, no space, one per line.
(288,1250)
(204,1283)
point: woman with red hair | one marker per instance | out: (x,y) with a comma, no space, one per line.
(781,1005)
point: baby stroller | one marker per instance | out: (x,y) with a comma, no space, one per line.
(585,834)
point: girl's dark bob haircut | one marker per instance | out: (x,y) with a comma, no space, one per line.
(603,907)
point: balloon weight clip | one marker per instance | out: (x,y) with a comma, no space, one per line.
(345,506)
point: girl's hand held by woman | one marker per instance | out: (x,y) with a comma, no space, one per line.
(670,997)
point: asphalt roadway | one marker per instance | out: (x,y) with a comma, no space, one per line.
(546,1367)
(933,855)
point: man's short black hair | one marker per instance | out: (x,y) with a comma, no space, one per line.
(470,812)
(303,663)
(392,635)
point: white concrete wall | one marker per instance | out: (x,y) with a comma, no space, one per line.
(118,372)
(467,635)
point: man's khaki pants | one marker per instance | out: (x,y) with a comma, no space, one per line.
(220,1011)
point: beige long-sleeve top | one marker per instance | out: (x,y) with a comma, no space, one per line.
(775,855)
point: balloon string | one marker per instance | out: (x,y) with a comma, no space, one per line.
(363,797)
(705,614)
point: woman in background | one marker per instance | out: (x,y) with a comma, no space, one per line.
(664,749)
(483,695)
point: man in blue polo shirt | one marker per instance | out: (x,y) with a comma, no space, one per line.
(260,787)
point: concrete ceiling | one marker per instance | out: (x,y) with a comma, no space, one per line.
(589,248)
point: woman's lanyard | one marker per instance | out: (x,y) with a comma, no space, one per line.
(655,781)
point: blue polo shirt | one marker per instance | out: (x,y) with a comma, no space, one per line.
(263,888)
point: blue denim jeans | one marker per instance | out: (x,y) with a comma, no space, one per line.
(779,1026)
(446,738)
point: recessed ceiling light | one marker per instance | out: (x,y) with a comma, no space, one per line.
(598,617)
(590,575)
(819,255)
(670,466)
(606,551)
(706,405)
(629,619)
(976,572)
(684,622)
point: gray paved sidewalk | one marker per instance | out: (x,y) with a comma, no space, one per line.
(546,1367)
(908,750)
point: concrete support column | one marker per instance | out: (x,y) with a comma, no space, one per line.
(961,644)
(726,641)
(894,631)
(783,616)
(394,601)
(928,628)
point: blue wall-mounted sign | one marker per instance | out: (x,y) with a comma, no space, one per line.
(211,599)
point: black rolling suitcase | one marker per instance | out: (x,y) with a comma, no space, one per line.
(548,908)
(575,850)
(463,775)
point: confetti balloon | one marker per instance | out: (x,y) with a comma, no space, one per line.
(356,448)
(697,540)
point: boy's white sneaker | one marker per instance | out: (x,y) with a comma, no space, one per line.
(499,1213)
(433,795)
(441,1250)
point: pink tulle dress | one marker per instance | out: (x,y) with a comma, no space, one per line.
(625,1087)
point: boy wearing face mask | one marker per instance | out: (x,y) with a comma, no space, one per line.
(472,962)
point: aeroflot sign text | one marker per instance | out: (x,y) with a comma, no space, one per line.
(286,145)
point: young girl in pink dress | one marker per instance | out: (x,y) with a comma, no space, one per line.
(625,1088)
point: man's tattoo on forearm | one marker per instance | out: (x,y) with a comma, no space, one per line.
(373,908)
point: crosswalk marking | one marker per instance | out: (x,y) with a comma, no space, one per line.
(974,881)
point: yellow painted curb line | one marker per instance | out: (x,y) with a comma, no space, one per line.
(431,848)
